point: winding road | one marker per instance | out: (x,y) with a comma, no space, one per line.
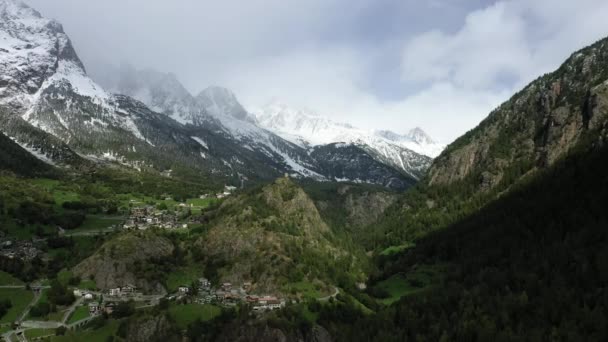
(324,299)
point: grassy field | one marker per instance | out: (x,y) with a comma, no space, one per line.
(64,277)
(97,222)
(306,289)
(98,335)
(420,279)
(7,279)
(186,314)
(397,249)
(200,204)
(34,333)
(20,299)
(183,276)
(51,316)
(18,232)
(80,313)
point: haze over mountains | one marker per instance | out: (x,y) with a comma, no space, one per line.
(53,106)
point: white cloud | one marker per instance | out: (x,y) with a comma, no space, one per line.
(498,49)
(316,53)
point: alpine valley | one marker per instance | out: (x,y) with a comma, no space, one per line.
(133,210)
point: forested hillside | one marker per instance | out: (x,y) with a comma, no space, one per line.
(529,133)
(530,267)
(16,159)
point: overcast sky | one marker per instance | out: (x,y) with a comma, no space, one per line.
(442,65)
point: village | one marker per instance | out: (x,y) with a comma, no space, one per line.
(22,250)
(151,216)
(226,295)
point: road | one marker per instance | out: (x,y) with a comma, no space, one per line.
(92,232)
(41,324)
(71,309)
(324,299)
(37,295)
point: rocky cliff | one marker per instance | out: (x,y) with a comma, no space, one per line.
(536,127)
(115,263)
(265,333)
(275,237)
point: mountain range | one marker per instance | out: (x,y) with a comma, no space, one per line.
(308,128)
(147,120)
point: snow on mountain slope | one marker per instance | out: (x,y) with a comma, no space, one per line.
(215,110)
(219,101)
(38,66)
(50,105)
(162,92)
(303,126)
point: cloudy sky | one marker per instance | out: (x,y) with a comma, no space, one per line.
(390,64)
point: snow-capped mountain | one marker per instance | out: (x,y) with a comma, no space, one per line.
(305,126)
(222,113)
(409,153)
(53,109)
(219,101)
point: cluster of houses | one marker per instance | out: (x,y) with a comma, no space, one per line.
(124,291)
(228,190)
(113,296)
(23,250)
(147,217)
(95,307)
(229,295)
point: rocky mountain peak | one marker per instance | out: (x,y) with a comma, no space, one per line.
(220,101)
(35,52)
(419,136)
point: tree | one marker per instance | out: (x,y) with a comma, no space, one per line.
(123,309)
(61,331)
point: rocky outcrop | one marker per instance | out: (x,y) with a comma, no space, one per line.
(367,208)
(150,328)
(114,264)
(536,127)
(271,235)
(265,333)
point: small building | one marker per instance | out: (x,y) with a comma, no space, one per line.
(227,286)
(252,299)
(204,282)
(266,299)
(109,308)
(115,292)
(88,296)
(247,286)
(274,304)
(183,289)
(128,289)
(94,308)
(77,293)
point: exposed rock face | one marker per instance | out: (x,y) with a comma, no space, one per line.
(361,207)
(366,208)
(264,333)
(113,265)
(271,234)
(536,127)
(150,329)
(360,164)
